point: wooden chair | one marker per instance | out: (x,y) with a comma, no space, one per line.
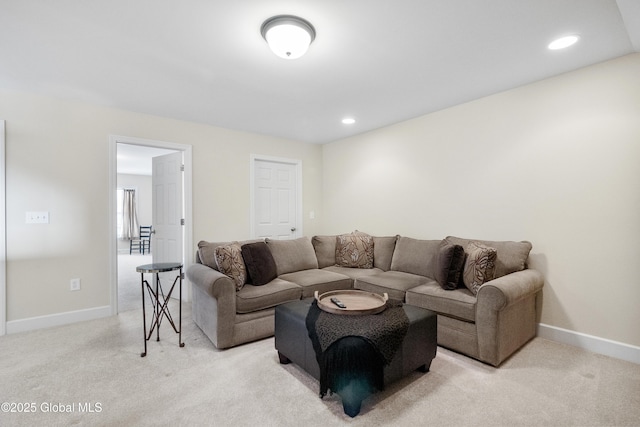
(141,244)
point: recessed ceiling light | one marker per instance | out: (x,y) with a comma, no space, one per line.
(563,42)
(348,121)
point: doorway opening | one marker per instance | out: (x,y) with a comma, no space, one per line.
(131,169)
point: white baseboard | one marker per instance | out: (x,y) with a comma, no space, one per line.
(598,345)
(58,319)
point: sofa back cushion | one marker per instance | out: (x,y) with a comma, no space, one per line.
(383,248)
(293,255)
(510,256)
(207,251)
(415,256)
(325,248)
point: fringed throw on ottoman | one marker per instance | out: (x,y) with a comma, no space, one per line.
(352,351)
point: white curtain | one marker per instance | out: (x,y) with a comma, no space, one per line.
(130,228)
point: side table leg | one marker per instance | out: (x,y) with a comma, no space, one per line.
(144,318)
(157,307)
(180,312)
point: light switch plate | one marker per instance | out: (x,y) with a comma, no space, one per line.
(37,218)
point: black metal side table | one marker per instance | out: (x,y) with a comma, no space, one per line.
(159,300)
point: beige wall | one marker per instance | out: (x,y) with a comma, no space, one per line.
(556,162)
(57,161)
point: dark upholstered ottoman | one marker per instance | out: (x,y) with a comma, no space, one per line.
(416,352)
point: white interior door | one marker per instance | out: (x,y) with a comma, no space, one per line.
(167,240)
(275,199)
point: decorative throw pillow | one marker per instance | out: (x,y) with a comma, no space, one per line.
(449,264)
(259,262)
(479,267)
(230,262)
(354,250)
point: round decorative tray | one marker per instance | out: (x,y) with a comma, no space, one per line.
(356,302)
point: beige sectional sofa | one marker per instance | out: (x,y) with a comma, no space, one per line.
(487,321)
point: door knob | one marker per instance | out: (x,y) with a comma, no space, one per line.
(293,229)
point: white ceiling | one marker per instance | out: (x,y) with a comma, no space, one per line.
(379,61)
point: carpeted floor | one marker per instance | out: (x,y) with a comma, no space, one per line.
(129,281)
(91,373)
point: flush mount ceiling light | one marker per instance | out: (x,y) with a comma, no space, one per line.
(563,42)
(288,36)
(348,120)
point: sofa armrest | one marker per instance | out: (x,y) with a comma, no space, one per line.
(211,281)
(213,303)
(507,290)
(506,314)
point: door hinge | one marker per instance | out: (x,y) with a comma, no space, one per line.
(181,168)
(182,221)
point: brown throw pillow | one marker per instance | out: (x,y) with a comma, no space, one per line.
(449,265)
(479,267)
(260,264)
(230,262)
(354,250)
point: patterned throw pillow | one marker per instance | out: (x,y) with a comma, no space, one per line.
(230,262)
(479,267)
(354,250)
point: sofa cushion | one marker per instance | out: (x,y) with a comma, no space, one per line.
(394,283)
(354,250)
(259,262)
(325,247)
(318,280)
(479,266)
(383,248)
(293,255)
(230,262)
(449,264)
(415,256)
(207,253)
(253,298)
(511,256)
(460,303)
(353,273)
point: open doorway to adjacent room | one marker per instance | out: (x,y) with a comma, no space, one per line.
(134,209)
(133,206)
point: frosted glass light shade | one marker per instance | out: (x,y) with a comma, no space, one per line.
(288,36)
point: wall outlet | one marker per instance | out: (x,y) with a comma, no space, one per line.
(74,285)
